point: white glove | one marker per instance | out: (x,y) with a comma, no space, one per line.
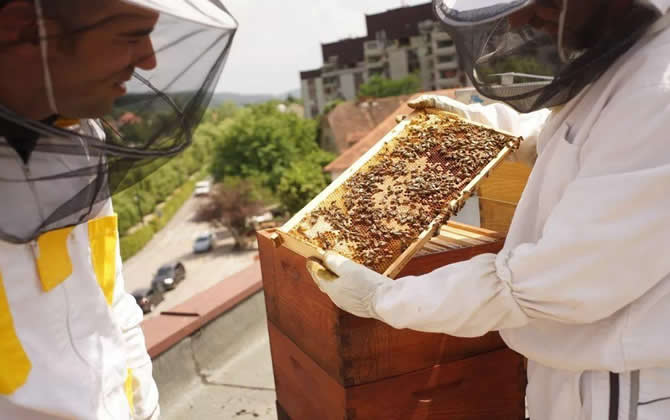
(444,103)
(498,116)
(351,286)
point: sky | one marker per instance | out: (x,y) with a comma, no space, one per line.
(277,39)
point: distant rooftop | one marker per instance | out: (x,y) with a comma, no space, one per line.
(351,155)
(399,23)
(395,24)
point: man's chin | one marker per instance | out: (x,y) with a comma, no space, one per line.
(97,110)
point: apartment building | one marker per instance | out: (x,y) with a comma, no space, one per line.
(399,42)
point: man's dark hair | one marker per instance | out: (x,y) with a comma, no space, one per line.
(67,11)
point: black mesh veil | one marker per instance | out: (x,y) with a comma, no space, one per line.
(114,89)
(544,75)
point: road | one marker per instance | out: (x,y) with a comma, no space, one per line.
(174,243)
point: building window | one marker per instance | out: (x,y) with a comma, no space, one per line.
(377,72)
(413,63)
(445,43)
(311,88)
(332,81)
(358,80)
(448,74)
(445,58)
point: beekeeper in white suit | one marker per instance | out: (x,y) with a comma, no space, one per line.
(582,285)
(70,340)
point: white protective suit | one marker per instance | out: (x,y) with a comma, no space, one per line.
(582,286)
(70,340)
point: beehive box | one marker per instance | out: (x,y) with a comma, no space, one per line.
(395,197)
(329,364)
(389,212)
(500,193)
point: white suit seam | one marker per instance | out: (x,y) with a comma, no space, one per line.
(622,334)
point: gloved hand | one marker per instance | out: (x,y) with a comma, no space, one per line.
(498,116)
(444,103)
(351,286)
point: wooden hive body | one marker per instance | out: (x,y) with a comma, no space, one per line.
(499,195)
(329,364)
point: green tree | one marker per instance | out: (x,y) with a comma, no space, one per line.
(262,143)
(230,204)
(144,188)
(301,183)
(380,87)
(331,106)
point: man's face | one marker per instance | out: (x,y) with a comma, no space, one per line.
(89,69)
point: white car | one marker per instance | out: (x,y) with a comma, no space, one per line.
(204,243)
(265,217)
(202,188)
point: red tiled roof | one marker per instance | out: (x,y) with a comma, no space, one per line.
(351,155)
(351,121)
(401,23)
(129,118)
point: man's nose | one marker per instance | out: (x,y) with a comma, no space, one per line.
(146,56)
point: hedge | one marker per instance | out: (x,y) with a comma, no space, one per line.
(131,244)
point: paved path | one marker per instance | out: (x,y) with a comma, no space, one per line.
(175,243)
(241,388)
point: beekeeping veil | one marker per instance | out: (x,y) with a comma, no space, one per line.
(140,76)
(492,40)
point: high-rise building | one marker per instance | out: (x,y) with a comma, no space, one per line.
(399,42)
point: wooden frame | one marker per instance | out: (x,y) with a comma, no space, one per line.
(310,251)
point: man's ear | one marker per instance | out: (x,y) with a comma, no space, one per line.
(18,23)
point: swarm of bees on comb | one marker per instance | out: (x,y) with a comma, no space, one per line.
(381,209)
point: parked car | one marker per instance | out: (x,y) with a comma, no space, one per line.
(169,276)
(147,299)
(202,188)
(203,243)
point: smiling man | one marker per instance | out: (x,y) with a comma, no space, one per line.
(70,339)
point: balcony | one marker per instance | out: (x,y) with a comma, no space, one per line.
(447,75)
(376,63)
(373,48)
(447,65)
(440,36)
(445,50)
(331,82)
(448,83)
